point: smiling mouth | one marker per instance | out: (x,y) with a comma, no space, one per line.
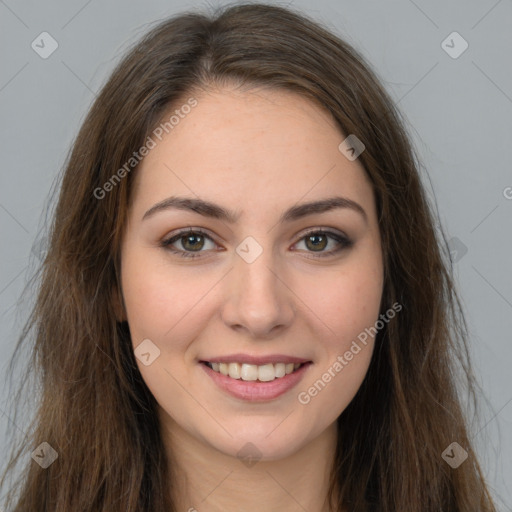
(251,372)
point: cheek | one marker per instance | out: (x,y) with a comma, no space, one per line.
(345,304)
(349,307)
(160,301)
(160,308)
(344,301)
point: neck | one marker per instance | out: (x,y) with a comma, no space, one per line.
(207,480)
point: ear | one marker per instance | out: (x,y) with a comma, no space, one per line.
(118,304)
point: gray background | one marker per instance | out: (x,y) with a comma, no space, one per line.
(458,110)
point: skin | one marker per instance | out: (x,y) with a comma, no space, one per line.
(257,153)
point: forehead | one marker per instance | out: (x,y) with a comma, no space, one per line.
(251,149)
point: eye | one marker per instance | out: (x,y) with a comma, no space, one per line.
(192,241)
(318,240)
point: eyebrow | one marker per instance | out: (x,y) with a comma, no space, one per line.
(209,209)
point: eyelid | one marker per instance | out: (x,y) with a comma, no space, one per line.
(324,229)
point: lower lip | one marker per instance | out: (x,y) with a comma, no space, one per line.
(256,391)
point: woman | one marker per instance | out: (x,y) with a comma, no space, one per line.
(245,305)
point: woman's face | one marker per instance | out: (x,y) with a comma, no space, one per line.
(261,290)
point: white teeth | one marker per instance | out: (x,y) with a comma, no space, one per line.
(280,369)
(234,370)
(251,372)
(266,372)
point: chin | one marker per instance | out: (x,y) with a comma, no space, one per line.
(260,445)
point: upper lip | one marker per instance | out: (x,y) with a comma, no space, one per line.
(256,360)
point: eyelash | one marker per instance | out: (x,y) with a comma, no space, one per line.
(344,242)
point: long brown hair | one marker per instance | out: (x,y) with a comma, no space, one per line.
(95,410)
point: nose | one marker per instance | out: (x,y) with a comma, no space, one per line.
(258,300)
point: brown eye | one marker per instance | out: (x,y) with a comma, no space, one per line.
(191,241)
(317,241)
